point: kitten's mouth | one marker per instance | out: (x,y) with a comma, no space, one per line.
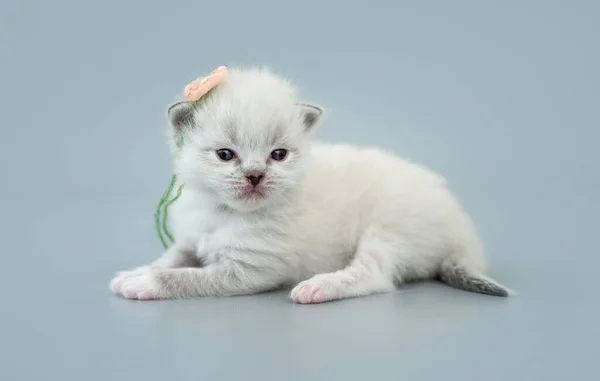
(252,193)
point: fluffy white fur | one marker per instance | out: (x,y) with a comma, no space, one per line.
(335,221)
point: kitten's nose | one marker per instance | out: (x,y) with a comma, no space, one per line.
(255,179)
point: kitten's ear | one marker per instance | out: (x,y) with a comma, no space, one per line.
(311,114)
(181,114)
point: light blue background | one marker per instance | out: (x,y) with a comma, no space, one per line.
(501,97)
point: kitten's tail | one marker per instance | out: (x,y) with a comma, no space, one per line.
(458,274)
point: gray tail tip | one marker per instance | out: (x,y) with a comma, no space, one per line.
(464,278)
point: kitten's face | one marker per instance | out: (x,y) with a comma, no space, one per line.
(246,145)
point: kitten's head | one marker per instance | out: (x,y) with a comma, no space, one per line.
(245,142)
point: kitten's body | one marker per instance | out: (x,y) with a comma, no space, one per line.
(344,221)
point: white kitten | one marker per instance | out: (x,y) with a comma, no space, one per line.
(264,207)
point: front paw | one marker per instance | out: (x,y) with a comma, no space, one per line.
(117,282)
(138,285)
(318,289)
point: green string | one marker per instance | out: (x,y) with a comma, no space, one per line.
(164,203)
(166,212)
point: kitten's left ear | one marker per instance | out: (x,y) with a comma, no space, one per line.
(181,114)
(311,114)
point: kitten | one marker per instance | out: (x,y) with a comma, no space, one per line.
(265,207)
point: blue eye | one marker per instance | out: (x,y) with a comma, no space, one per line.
(279,154)
(225,154)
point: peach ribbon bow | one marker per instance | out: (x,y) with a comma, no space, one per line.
(202,85)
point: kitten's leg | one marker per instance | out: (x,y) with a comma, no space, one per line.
(370,271)
(172,258)
(219,279)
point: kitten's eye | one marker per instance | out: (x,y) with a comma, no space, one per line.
(225,154)
(279,154)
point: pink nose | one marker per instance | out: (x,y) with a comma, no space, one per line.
(255,179)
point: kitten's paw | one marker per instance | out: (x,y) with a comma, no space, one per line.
(117,282)
(318,289)
(142,286)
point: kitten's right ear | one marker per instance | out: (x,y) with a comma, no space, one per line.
(181,114)
(311,115)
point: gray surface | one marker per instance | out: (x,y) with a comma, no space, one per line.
(501,97)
